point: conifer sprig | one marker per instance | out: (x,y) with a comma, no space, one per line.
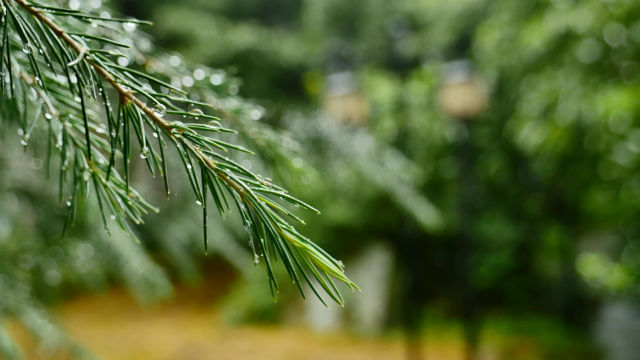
(71,69)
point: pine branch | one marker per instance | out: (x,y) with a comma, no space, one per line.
(56,58)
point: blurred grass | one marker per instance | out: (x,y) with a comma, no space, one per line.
(192,325)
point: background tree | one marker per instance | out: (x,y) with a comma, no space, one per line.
(554,157)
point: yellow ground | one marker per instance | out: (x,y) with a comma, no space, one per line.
(188,327)
(119,329)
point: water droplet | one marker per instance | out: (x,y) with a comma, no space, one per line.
(199,74)
(113,217)
(159,109)
(129,26)
(48,116)
(199,202)
(189,166)
(155,134)
(196,112)
(26,48)
(174,60)
(255,114)
(187,81)
(68,203)
(123,61)
(144,153)
(256,259)
(216,79)
(74,4)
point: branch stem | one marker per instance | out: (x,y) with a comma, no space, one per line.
(124,93)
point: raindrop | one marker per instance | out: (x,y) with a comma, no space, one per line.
(297,162)
(123,61)
(199,74)
(614,34)
(216,79)
(187,81)
(255,114)
(68,203)
(113,217)
(129,26)
(196,112)
(174,60)
(74,4)
(48,116)
(160,110)
(199,202)
(256,259)
(144,153)
(26,48)
(155,134)
(189,166)
(176,83)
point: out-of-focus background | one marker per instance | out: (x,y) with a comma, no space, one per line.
(477,163)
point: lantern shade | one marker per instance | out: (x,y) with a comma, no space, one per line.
(462,95)
(343,101)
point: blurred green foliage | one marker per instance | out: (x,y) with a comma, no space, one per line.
(555,184)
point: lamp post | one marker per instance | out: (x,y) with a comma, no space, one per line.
(464,98)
